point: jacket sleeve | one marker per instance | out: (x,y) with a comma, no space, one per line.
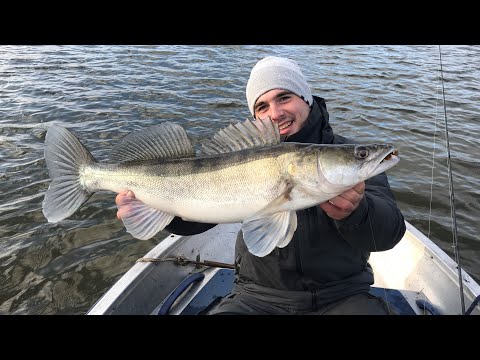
(377,224)
(182,227)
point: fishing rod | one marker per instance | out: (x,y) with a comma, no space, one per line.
(452,196)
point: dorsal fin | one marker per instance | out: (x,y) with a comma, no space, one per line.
(159,141)
(243,135)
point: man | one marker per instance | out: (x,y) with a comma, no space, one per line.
(324,269)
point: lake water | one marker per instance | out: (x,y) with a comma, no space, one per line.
(374,94)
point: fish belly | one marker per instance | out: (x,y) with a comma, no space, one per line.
(222,195)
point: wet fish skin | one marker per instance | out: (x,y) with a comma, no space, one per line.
(260,185)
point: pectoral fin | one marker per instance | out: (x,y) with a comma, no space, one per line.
(263,233)
(142,221)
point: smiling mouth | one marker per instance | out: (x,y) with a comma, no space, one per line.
(286,125)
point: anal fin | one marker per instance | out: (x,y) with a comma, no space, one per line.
(143,221)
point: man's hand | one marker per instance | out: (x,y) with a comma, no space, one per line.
(341,206)
(119,200)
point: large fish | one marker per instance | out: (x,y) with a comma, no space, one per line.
(243,174)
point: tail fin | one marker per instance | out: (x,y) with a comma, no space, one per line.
(65,156)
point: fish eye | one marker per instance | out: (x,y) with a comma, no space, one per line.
(361,152)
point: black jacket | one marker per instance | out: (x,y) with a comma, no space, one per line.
(324,254)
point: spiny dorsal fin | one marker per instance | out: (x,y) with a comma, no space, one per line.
(159,141)
(243,135)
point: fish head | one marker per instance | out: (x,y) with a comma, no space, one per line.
(350,164)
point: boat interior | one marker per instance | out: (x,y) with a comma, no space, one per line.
(187,275)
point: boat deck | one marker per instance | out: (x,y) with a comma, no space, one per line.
(201,290)
(415,277)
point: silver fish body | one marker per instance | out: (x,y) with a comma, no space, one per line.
(245,174)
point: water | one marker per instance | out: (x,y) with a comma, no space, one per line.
(373,93)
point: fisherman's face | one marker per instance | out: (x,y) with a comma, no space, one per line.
(284,107)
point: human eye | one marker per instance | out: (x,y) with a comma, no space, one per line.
(261,108)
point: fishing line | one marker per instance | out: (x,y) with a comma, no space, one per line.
(433,167)
(433,157)
(452,196)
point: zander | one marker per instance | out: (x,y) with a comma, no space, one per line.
(243,174)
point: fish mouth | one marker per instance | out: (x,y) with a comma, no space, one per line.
(392,154)
(388,161)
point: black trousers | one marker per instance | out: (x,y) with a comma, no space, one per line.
(256,300)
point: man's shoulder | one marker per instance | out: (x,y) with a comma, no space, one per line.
(339,139)
(320,101)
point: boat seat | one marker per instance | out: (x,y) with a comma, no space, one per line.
(395,299)
(221,284)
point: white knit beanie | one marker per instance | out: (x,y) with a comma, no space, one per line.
(274,72)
